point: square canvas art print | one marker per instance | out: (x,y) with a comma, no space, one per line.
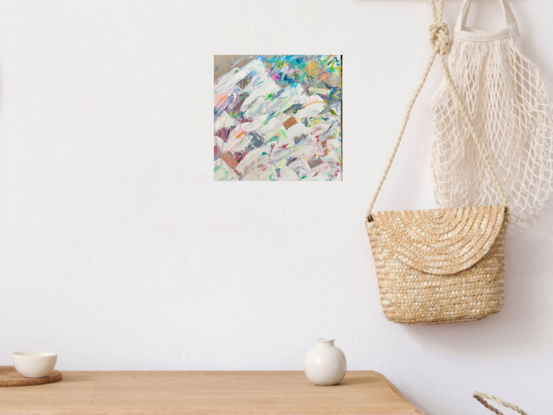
(278,117)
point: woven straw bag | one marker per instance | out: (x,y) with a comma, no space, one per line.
(443,265)
(481,397)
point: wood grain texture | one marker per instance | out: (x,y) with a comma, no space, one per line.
(214,393)
(10,377)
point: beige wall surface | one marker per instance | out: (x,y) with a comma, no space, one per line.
(118,250)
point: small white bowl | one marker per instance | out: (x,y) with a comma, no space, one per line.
(34,364)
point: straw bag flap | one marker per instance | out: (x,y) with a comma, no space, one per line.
(439,241)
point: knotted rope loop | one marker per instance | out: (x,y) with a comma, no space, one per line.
(481,397)
(439,38)
(441,44)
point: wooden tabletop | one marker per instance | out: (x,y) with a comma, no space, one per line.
(213,393)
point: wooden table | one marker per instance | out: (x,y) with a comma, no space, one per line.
(213,393)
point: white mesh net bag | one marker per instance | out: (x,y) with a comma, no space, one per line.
(507,100)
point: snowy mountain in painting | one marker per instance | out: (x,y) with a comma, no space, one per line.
(279,118)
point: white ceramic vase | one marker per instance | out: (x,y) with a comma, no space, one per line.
(325,364)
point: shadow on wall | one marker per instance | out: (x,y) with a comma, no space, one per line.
(528,263)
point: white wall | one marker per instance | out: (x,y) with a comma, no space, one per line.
(118,251)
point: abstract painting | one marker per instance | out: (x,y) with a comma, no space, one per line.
(278,118)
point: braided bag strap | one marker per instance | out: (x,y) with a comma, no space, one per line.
(481,397)
(441,45)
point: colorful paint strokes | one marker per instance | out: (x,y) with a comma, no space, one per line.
(278,118)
